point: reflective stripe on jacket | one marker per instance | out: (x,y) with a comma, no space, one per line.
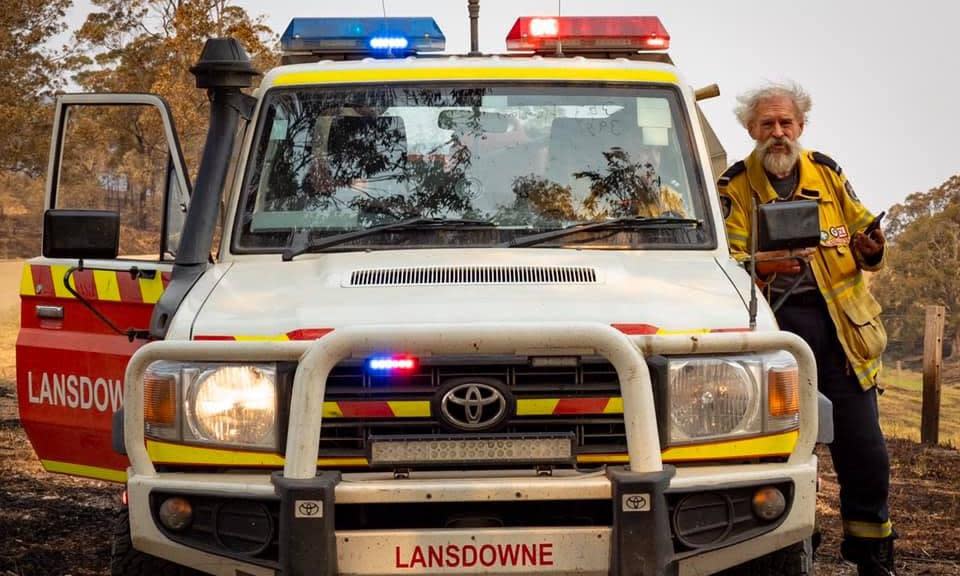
(838,270)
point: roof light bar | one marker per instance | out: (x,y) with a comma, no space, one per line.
(588,34)
(363,36)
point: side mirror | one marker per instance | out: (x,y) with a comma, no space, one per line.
(787,225)
(93,234)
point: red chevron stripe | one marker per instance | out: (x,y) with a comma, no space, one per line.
(581,406)
(636,329)
(308,333)
(129,287)
(365,410)
(84,283)
(42,280)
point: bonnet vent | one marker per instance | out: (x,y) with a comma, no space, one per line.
(439,276)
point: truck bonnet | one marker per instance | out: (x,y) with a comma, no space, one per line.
(270,299)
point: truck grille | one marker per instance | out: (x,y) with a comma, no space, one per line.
(594,432)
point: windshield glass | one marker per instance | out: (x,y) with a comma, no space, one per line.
(517,160)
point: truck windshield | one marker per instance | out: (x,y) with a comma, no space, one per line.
(517,160)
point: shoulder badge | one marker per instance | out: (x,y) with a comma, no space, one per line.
(730,173)
(827,161)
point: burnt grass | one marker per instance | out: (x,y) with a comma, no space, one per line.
(52,524)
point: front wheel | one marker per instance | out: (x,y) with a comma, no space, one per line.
(794,560)
(125,560)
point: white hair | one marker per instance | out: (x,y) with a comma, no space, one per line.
(747,103)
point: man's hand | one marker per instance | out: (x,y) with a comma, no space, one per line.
(782,261)
(869,246)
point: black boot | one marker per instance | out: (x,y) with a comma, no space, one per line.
(873,557)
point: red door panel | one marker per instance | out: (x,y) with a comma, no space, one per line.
(70,369)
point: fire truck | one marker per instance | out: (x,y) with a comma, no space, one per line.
(422,313)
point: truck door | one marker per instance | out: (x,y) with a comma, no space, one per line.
(117,153)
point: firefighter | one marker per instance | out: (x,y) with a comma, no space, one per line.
(830,307)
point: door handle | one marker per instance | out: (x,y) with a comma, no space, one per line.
(50,312)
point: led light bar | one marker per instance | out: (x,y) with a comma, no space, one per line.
(389,364)
(532,449)
(588,34)
(365,36)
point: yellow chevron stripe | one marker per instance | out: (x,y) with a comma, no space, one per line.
(261,338)
(341,462)
(181,454)
(774,445)
(410,408)
(664,331)
(26,282)
(764,446)
(167,452)
(603,458)
(107,285)
(536,406)
(107,474)
(151,288)
(57,272)
(332,410)
(614,406)
(493,73)
(108,288)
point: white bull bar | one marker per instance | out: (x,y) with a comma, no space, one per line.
(317,358)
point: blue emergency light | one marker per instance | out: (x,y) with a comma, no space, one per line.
(375,37)
(392,364)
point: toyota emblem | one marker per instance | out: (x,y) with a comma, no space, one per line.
(472,405)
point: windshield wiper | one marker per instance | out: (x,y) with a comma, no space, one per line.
(625,222)
(301,242)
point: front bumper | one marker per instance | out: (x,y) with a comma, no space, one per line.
(636,541)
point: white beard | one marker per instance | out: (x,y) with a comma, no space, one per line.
(776,162)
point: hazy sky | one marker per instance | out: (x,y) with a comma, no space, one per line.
(884,80)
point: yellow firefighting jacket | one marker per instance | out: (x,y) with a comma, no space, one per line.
(836,266)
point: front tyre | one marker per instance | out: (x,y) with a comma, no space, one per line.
(125,560)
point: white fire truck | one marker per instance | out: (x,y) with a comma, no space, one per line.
(467,315)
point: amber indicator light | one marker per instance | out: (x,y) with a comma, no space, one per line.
(783,391)
(159,400)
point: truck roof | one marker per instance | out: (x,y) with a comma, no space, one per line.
(495,67)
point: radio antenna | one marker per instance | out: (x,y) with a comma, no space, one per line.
(559,51)
(473,10)
(384,28)
(753,263)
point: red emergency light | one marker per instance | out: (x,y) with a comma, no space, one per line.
(588,33)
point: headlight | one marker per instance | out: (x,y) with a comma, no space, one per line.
(732,396)
(233,405)
(222,404)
